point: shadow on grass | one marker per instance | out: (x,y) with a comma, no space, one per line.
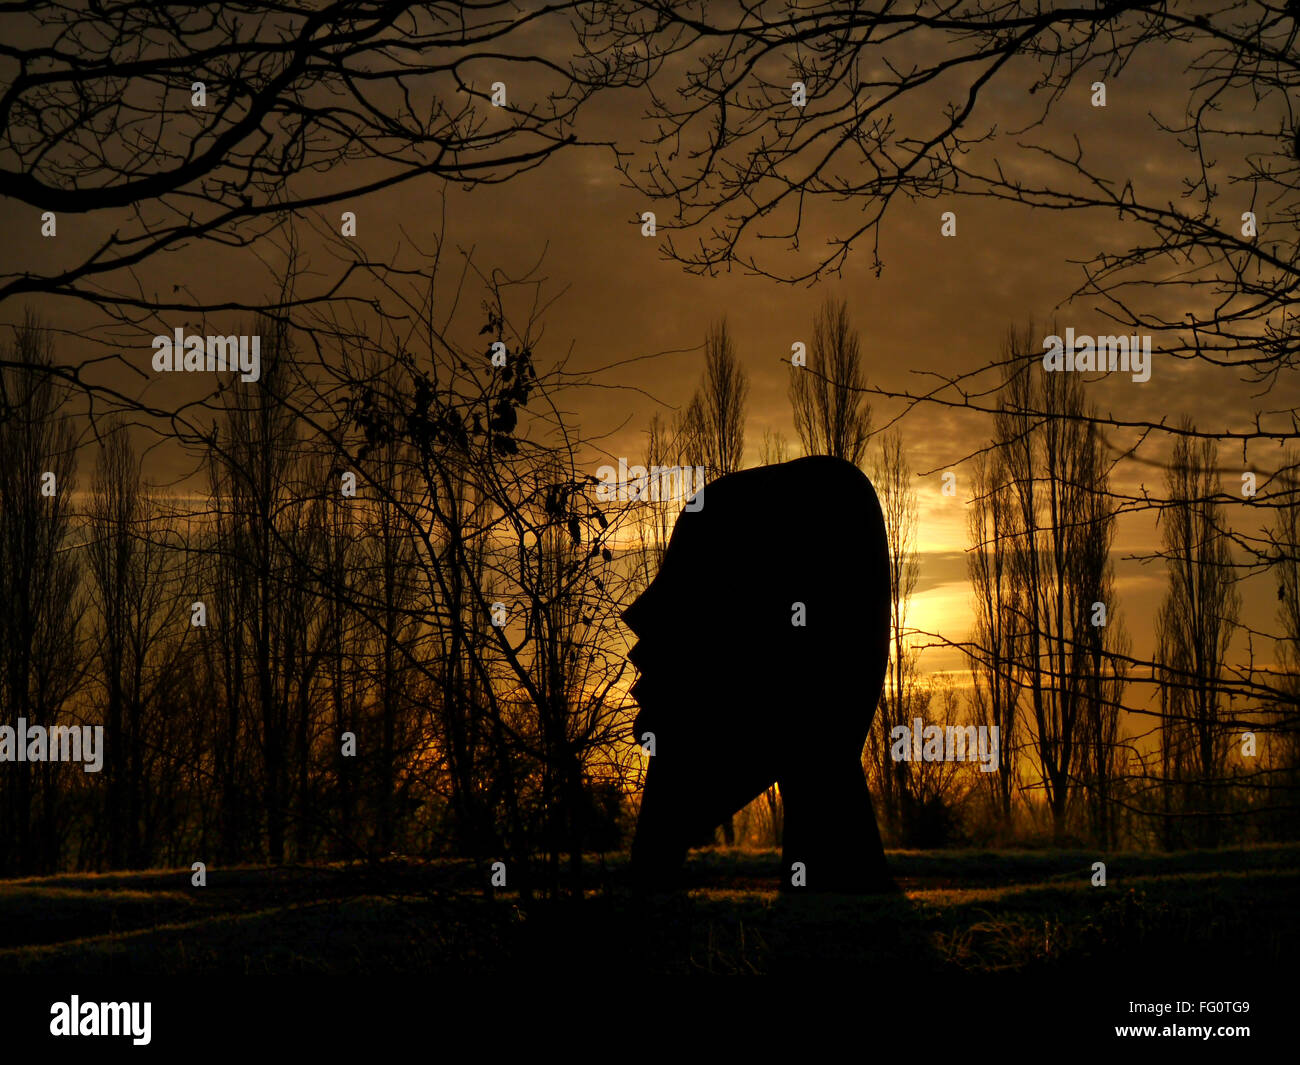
(957,913)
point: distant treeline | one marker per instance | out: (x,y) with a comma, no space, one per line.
(381,616)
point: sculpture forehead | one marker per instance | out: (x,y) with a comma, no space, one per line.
(798,529)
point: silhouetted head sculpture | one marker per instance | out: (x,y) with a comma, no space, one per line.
(762,647)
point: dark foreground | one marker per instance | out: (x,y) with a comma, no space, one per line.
(958,913)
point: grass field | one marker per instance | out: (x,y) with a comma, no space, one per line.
(957,912)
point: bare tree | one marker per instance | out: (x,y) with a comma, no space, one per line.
(517,617)
(1062,522)
(171,151)
(920,103)
(40,654)
(131,575)
(205,126)
(1194,630)
(1285,534)
(1101,656)
(936,789)
(998,629)
(912,102)
(831,412)
(655,510)
(773,449)
(713,426)
(892,477)
(263,631)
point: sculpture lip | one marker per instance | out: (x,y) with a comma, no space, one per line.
(632,616)
(644,694)
(637,654)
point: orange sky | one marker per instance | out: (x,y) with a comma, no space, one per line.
(940,305)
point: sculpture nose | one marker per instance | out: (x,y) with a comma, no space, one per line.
(637,655)
(636,615)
